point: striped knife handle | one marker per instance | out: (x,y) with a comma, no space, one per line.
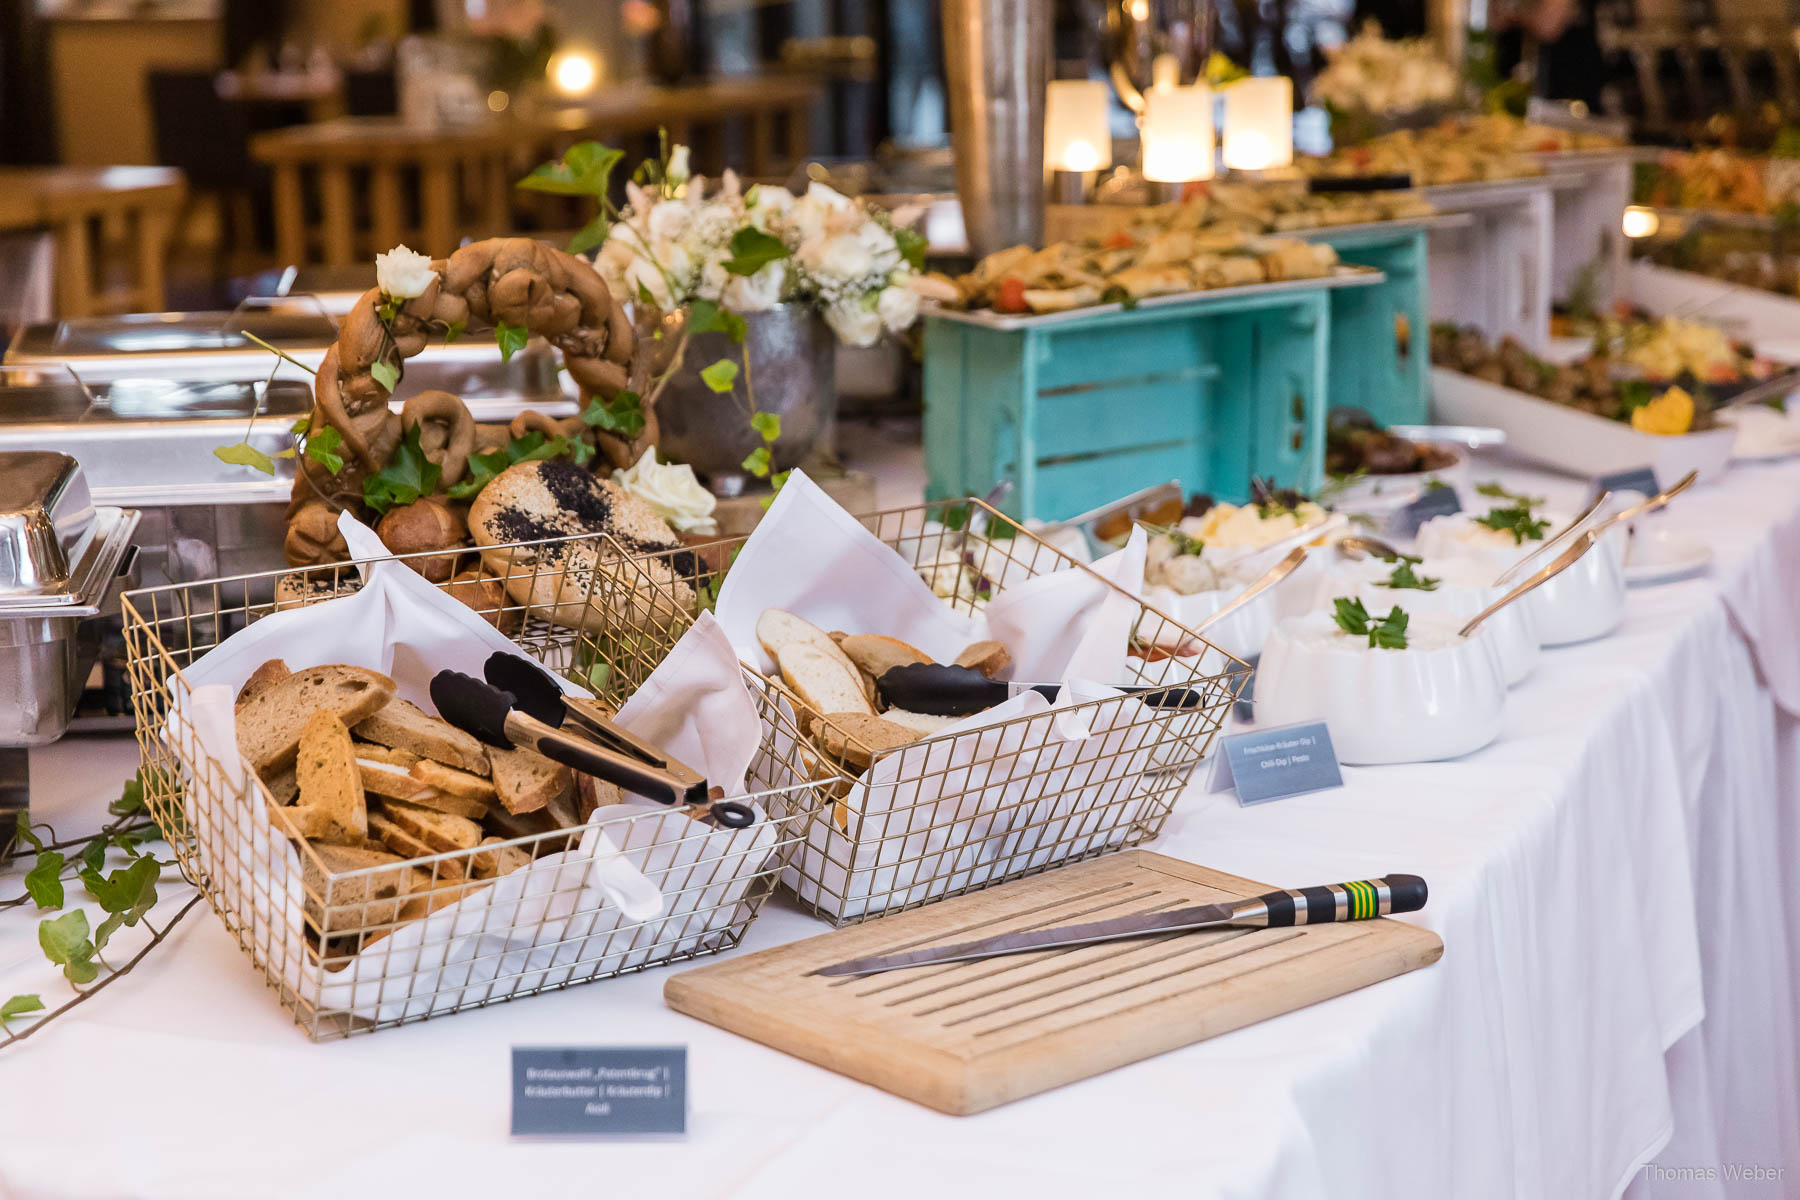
(1363,900)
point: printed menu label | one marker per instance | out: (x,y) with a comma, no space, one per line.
(1433,502)
(593,1091)
(1273,764)
(1643,479)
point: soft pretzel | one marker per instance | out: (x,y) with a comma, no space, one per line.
(514,280)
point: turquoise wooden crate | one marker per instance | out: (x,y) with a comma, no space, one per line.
(1084,408)
(1374,366)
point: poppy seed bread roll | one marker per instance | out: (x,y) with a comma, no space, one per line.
(534,501)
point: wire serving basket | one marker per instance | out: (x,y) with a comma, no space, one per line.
(355,950)
(955,812)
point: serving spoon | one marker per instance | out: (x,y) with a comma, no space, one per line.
(1652,504)
(1357,545)
(1261,584)
(1580,546)
(1512,572)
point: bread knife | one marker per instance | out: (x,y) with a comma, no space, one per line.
(1362,900)
(942,690)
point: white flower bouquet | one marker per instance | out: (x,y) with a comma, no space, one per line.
(1374,75)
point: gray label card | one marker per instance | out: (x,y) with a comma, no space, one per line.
(1641,480)
(1272,764)
(594,1091)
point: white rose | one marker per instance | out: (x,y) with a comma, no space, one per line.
(758,292)
(402,274)
(642,274)
(854,324)
(878,242)
(672,490)
(829,198)
(841,257)
(898,308)
(678,166)
(715,280)
(668,222)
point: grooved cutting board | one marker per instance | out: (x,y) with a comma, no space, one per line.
(965,1037)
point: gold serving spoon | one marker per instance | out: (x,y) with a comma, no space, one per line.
(1357,545)
(1512,572)
(1263,583)
(1580,546)
(1652,504)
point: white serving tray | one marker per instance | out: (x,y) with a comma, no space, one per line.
(1571,440)
(1768,320)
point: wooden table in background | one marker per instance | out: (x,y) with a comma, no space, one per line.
(348,188)
(80,205)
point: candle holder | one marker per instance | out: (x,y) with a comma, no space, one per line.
(1072,187)
(1177,134)
(1259,124)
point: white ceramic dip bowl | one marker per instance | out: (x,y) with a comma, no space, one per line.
(1441,697)
(1584,602)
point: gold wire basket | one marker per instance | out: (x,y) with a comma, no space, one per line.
(353,951)
(956,812)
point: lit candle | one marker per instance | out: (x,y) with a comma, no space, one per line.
(1178,134)
(1077,136)
(1259,124)
(1640,222)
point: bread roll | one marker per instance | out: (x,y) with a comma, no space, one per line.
(422,526)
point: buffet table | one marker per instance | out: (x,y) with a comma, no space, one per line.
(1612,881)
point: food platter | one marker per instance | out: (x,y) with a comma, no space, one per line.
(1341,276)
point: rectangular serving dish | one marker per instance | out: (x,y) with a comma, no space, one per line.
(1571,440)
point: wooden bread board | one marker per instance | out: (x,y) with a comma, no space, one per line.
(966,1037)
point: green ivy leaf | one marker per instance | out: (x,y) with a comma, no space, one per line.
(531,447)
(955,517)
(585,169)
(767,424)
(705,316)
(721,376)
(599,675)
(644,297)
(759,462)
(26,834)
(243,454)
(912,246)
(322,446)
(18,1006)
(44,881)
(581,451)
(127,892)
(408,476)
(94,856)
(512,339)
(131,798)
(1002,530)
(623,414)
(65,942)
(454,331)
(299,426)
(386,374)
(752,250)
(590,235)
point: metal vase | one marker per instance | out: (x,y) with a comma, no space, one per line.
(792,361)
(996,68)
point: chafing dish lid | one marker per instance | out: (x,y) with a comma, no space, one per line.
(46,514)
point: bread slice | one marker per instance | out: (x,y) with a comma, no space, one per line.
(878,655)
(262,679)
(502,859)
(282,785)
(269,722)
(386,755)
(990,658)
(444,802)
(405,726)
(856,737)
(925,723)
(409,845)
(443,832)
(592,792)
(382,779)
(778,628)
(452,781)
(525,781)
(824,683)
(338,900)
(329,780)
(306,822)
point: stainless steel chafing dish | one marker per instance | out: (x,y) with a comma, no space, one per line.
(217,347)
(62,559)
(148,444)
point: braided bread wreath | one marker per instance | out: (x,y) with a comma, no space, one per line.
(551,294)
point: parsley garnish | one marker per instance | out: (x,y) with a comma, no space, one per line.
(1387,634)
(1516,520)
(1495,491)
(1403,577)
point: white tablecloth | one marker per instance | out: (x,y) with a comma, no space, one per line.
(1620,864)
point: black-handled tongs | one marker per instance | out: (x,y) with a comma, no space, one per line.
(520,704)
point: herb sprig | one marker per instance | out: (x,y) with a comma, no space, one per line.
(1403,577)
(1517,520)
(1387,634)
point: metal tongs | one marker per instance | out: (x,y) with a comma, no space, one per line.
(521,704)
